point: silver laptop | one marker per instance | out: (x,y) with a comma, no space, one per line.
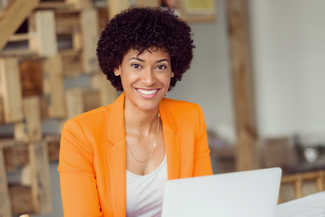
(240,194)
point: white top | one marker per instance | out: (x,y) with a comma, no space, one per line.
(144,194)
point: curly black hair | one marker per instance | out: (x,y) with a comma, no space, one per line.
(142,29)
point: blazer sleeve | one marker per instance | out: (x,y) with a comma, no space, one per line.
(77,177)
(202,162)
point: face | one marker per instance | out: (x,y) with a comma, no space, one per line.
(145,77)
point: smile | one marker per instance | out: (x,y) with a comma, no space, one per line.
(147,93)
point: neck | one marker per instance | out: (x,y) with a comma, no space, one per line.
(140,122)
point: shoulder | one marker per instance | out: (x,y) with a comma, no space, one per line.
(90,119)
(180,108)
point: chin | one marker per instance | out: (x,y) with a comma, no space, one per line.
(147,106)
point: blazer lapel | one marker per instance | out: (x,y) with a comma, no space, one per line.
(172,142)
(116,157)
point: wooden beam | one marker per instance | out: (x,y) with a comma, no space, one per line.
(5,204)
(108,93)
(67,23)
(21,199)
(33,118)
(75,102)
(31,76)
(16,156)
(11,90)
(148,3)
(246,153)
(53,143)
(116,6)
(90,36)
(2,116)
(91,99)
(45,42)
(72,63)
(80,4)
(54,87)
(37,175)
(13,16)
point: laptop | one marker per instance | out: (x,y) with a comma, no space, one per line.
(240,194)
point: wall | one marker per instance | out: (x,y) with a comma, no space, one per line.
(289,49)
(208,82)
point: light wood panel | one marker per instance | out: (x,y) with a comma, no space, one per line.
(246,153)
(90,36)
(116,6)
(54,87)
(13,16)
(5,205)
(11,90)
(37,175)
(45,42)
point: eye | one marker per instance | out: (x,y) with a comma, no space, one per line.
(137,66)
(161,67)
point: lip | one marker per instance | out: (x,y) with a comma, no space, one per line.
(147,96)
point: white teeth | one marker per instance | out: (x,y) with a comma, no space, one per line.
(147,92)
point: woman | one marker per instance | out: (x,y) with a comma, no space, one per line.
(115,160)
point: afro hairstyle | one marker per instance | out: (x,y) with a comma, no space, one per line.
(144,29)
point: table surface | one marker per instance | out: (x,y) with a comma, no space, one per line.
(312,206)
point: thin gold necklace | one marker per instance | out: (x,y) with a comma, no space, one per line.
(154,145)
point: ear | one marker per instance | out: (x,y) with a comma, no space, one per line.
(117,71)
(172,74)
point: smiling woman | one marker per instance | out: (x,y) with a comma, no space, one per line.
(115,160)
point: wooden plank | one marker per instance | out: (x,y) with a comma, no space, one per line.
(21,37)
(148,3)
(15,156)
(20,132)
(71,63)
(37,175)
(13,16)
(11,90)
(21,199)
(33,118)
(2,117)
(45,42)
(90,36)
(108,93)
(67,23)
(54,5)
(246,153)
(91,99)
(54,87)
(75,102)
(31,77)
(116,6)
(44,108)
(102,17)
(5,204)
(53,144)
(80,4)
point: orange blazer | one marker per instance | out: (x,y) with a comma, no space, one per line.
(93,155)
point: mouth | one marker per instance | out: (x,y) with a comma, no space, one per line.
(147,93)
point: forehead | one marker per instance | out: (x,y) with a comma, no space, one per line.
(153,53)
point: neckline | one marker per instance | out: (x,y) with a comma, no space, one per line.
(150,174)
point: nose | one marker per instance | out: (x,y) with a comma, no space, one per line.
(148,77)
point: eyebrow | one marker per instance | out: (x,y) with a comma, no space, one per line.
(141,60)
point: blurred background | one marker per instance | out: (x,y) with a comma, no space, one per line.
(258,73)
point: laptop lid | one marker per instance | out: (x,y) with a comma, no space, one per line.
(240,194)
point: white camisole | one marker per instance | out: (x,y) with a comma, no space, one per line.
(144,194)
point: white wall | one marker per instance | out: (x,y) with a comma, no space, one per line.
(289,50)
(208,82)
